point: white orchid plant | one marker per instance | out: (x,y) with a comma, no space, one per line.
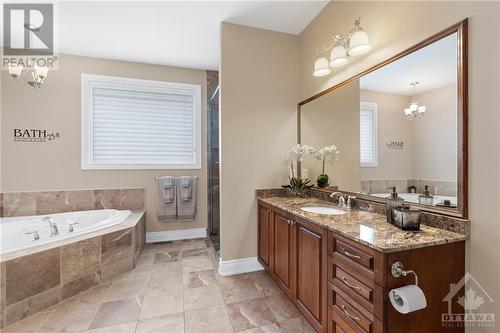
(295,155)
(327,155)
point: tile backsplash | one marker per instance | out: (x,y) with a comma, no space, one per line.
(51,202)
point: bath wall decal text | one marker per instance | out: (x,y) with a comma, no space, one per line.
(35,135)
(395,145)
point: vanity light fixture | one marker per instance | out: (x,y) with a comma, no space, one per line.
(338,56)
(358,40)
(321,67)
(414,110)
(34,76)
(356,44)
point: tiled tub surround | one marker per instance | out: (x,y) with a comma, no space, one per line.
(51,202)
(367,228)
(436,187)
(32,282)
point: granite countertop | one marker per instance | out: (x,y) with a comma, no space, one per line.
(367,228)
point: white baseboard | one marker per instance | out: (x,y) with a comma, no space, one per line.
(171,235)
(239,266)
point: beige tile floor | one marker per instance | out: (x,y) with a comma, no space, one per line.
(174,288)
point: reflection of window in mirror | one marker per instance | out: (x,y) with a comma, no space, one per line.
(368,134)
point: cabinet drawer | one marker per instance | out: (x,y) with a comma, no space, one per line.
(354,254)
(349,318)
(352,284)
(338,327)
(371,308)
(357,260)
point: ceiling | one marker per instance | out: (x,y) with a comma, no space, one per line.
(180,33)
(433,66)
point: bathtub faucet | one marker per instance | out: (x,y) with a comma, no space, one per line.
(54,231)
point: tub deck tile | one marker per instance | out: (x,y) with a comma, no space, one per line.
(32,305)
(79,285)
(80,259)
(31,275)
(116,246)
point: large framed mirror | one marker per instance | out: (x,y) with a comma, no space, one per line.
(401,123)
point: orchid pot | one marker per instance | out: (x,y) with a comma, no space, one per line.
(327,155)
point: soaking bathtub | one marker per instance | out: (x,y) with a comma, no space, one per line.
(27,232)
(413,197)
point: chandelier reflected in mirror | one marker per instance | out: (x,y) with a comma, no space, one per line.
(414,110)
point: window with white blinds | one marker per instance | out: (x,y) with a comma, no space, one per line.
(368,134)
(140,124)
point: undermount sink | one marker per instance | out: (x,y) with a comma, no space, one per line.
(323,210)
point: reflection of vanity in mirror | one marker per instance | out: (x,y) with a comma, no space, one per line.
(400,124)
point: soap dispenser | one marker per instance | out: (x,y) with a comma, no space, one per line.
(426,198)
(392,202)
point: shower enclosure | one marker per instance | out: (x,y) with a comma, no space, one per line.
(213,158)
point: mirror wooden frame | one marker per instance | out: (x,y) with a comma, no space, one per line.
(461,29)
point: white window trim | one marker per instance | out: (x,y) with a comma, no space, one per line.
(373,107)
(88,81)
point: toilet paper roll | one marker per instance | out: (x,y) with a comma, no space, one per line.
(407,299)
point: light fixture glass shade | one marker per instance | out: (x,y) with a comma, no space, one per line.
(358,42)
(15,70)
(321,67)
(421,109)
(413,107)
(407,112)
(41,71)
(338,56)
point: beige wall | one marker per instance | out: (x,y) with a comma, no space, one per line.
(334,119)
(430,142)
(259,78)
(392,125)
(394,26)
(56,106)
(434,136)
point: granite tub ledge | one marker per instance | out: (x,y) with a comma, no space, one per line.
(131,221)
(370,229)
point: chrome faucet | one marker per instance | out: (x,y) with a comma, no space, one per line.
(345,201)
(54,231)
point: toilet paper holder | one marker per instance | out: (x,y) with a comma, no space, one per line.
(397,270)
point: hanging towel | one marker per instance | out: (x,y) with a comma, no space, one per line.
(186,191)
(167,198)
(186,188)
(166,188)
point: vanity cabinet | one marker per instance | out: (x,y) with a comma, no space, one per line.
(296,260)
(311,262)
(264,236)
(342,286)
(283,268)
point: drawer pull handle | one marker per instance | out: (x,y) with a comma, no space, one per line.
(348,314)
(349,284)
(352,256)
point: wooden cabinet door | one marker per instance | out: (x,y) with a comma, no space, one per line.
(264,236)
(311,262)
(283,266)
